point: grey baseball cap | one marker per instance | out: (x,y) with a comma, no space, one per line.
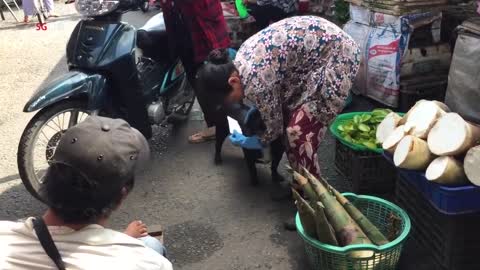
(106,152)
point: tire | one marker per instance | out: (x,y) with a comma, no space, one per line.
(29,138)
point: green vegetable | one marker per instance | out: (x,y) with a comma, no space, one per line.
(363,128)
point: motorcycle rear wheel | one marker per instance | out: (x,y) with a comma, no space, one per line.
(49,120)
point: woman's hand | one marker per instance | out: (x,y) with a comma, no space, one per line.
(136,229)
(241,140)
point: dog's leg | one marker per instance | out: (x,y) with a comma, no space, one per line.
(250,157)
(221,132)
(276,149)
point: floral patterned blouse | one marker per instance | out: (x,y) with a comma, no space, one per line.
(303,61)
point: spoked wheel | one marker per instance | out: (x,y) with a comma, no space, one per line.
(182,104)
(40,139)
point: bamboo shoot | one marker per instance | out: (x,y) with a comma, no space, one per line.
(452,135)
(372,232)
(325,232)
(347,230)
(307,215)
(472,165)
(306,186)
(412,153)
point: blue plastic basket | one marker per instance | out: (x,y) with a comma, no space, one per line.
(447,200)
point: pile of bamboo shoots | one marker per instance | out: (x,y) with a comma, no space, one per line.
(330,217)
(430,137)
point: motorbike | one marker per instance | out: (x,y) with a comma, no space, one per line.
(106,57)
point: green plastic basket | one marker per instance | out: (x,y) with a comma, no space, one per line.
(341,119)
(327,257)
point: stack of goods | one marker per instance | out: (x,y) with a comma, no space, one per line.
(397,53)
(239,29)
(336,220)
(438,157)
(463,93)
(401,7)
(358,153)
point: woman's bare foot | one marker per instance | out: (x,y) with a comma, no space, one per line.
(136,229)
(26,19)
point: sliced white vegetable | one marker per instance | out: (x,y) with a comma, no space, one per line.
(412,153)
(472,165)
(446,171)
(422,118)
(391,142)
(452,135)
(387,126)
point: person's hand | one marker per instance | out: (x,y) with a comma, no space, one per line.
(136,229)
(240,140)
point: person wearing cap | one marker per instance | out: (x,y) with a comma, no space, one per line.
(91,173)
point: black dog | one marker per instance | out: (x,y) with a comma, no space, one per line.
(251,156)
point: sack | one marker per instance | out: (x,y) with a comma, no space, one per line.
(463,92)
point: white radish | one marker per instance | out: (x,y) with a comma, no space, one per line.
(452,135)
(472,165)
(422,117)
(387,126)
(391,142)
(412,153)
(446,171)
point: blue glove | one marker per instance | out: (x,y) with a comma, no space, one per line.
(238,139)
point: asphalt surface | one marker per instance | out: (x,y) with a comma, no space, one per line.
(212,217)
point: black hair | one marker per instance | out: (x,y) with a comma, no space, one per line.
(75,198)
(212,78)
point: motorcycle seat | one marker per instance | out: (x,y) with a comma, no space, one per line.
(152,38)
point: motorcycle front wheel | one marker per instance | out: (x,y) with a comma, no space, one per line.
(40,139)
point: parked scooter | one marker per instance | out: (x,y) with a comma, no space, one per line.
(106,59)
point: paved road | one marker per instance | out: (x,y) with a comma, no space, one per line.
(212,218)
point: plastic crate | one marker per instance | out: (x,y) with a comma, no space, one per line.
(447,200)
(453,241)
(368,171)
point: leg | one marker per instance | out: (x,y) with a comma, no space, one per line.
(277,149)
(304,135)
(250,157)
(48,5)
(221,132)
(154,244)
